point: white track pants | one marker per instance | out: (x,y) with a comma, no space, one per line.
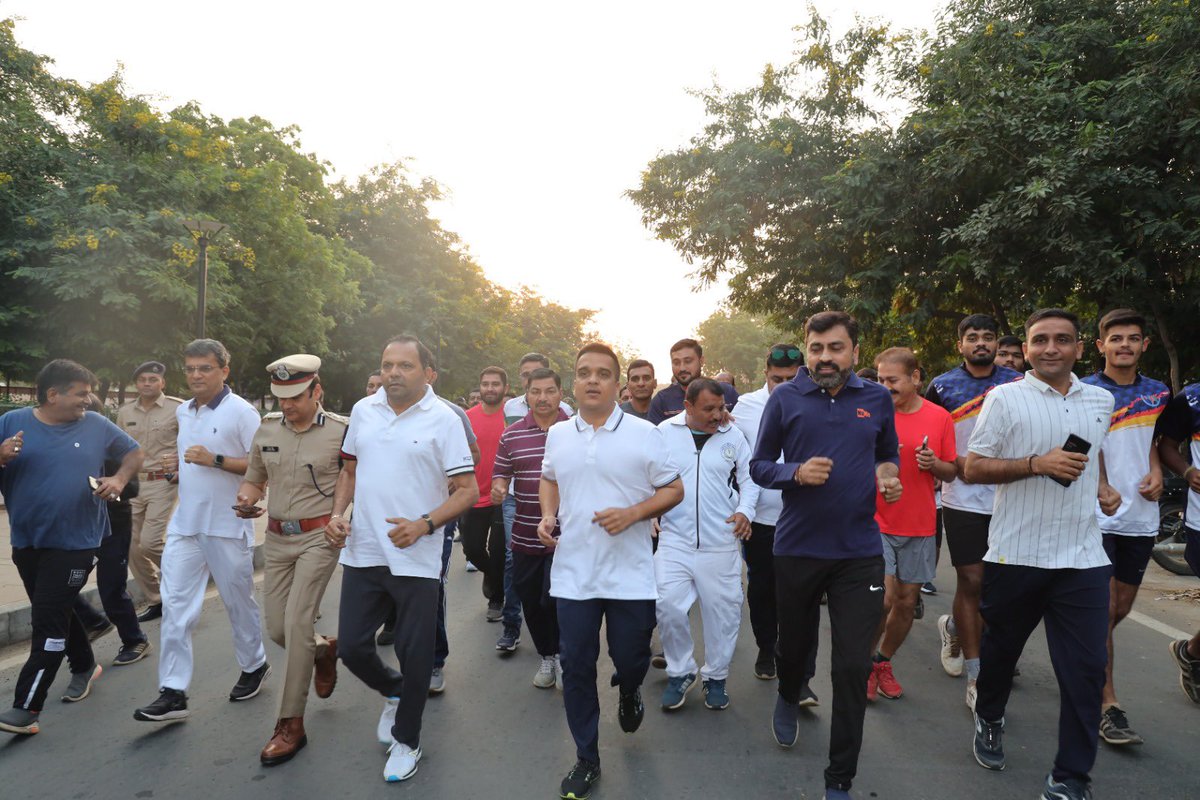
(715,578)
(187,561)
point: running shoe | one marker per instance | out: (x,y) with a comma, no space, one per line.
(544,679)
(764,665)
(928,588)
(1114,727)
(401,763)
(785,722)
(1189,670)
(676,691)
(171,704)
(630,710)
(889,687)
(989,743)
(972,694)
(1069,789)
(131,654)
(81,684)
(951,655)
(19,721)
(579,781)
(715,696)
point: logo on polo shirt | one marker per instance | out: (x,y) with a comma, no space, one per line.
(864,414)
(728,452)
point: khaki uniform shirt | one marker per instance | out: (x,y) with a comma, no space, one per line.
(155,430)
(301,468)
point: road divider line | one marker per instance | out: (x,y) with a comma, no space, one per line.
(1155,625)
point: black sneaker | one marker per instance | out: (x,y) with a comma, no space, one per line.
(808,698)
(150,612)
(928,588)
(764,665)
(1069,789)
(131,653)
(919,608)
(100,629)
(630,710)
(989,743)
(386,637)
(250,683)
(171,704)
(508,641)
(580,780)
(1189,669)
(1114,727)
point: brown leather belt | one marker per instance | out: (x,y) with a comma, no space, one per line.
(158,475)
(296,527)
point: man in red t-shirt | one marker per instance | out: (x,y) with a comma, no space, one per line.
(483,526)
(927,452)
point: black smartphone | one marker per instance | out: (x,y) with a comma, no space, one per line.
(1074,444)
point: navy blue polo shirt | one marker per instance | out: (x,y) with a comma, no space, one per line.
(669,402)
(855,428)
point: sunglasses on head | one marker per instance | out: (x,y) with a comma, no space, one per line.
(790,354)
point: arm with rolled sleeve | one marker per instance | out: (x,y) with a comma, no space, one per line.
(765,468)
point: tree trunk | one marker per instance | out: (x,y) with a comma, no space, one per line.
(102,392)
(1165,337)
(1001,318)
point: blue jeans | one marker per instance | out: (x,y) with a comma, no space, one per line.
(441,647)
(512,603)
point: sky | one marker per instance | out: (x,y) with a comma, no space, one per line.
(535,116)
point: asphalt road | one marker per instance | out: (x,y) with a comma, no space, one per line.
(492,734)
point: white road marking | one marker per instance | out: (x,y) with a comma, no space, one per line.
(1160,627)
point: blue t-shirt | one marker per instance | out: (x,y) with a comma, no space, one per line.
(856,428)
(50,504)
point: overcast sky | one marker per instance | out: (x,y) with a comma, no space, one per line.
(536,116)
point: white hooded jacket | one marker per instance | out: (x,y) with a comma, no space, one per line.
(710,495)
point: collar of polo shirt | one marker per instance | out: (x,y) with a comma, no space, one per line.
(1041,385)
(614,419)
(807,385)
(681,420)
(380,399)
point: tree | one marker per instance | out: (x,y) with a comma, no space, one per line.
(737,343)
(1046,156)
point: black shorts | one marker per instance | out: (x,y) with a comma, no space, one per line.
(1129,556)
(1191,551)
(966,535)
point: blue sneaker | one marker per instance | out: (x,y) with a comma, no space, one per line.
(928,588)
(834,793)
(785,722)
(1069,789)
(989,743)
(676,691)
(715,696)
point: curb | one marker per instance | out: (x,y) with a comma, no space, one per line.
(16,623)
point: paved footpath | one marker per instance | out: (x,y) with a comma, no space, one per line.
(492,734)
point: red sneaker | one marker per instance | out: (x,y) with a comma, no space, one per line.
(872,686)
(881,672)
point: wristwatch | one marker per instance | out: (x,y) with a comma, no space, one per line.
(219,462)
(429,521)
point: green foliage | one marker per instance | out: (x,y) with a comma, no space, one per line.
(96,265)
(737,343)
(1047,156)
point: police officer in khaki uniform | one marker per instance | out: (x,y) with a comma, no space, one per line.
(150,419)
(298,452)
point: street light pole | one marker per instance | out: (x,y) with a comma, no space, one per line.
(202,230)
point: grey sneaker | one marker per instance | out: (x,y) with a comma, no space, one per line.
(989,743)
(437,681)
(1189,669)
(1114,727)
(508,641)
(544,679)
(19,721)
(785,722)
(81,684)
(495,612)
(1069,789)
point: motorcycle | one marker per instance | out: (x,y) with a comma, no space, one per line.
(1169,544)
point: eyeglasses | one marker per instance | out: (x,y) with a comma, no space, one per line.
(203,369)
(790,354)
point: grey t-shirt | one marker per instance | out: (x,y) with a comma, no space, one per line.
(462,415)
(628,408)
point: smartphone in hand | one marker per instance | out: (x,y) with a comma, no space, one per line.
(1074,444)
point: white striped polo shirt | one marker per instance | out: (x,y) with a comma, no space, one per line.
(1036,522)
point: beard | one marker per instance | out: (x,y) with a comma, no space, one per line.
(980,360)
(831,381)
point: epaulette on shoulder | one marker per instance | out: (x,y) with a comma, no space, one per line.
(174,399)
(337,418)
(273,415)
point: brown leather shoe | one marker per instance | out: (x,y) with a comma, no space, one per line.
(288,739)
(325,672)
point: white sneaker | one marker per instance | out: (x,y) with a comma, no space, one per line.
(951,655)
(544,679)
(437,681)
(558,680)
(387,719)
(972,693)
(401,763)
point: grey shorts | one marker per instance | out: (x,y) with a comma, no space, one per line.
(910,559)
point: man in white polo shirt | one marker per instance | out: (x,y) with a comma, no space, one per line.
(606,474)
(206,537)
(1045,560)
(402,445)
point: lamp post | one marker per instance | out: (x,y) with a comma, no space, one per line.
(202,230)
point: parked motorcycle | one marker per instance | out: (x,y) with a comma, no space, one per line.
(1169,544)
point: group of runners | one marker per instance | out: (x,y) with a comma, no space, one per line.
(831,487)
